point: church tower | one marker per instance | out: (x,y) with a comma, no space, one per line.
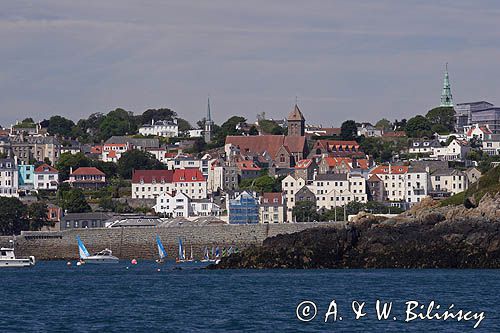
(296,122)
(208,124)
(446,97)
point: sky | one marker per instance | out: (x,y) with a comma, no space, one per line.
(361,60)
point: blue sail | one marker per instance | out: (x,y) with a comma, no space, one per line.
(217,252)
(181,250)
(82,250)
(161,250)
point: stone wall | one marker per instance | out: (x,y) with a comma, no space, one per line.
(129,243)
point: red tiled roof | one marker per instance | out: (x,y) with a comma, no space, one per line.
(362,163)
(393,169)
(303,164)
(187,175)
(483,129)
(395,134)
(337,161)
(271,198)
(88,171)
(374,178)
(45,168)
(96,149)
(112,154)
(258,144)
(247,165)
(331,145)
(147,176)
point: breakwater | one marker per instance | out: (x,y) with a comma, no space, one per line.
(139,242)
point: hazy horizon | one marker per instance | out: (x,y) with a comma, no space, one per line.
(343,60)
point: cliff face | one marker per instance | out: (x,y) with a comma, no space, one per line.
(428,236)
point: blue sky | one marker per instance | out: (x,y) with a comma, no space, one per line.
(360,60)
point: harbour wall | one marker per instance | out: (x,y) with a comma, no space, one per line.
(139,242)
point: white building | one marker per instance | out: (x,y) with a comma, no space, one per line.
(457,150)
(337,190)
(46,178)
(112,152)
(164,128)
(423,146)
(181,205)
(449,180)
(291,186)
(149,184)
(394,179)
(417,186)
(477,132)
(183,161)
(195,133)
(272,208)
(9,177)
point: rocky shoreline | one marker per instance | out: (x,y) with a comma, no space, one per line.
(428,236)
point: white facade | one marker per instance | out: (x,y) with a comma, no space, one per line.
(195,133)
(417,186)
(393,178)
(423,147)
(112,152)
(337,190)
(455,151)
(46,180)
(491,147)
(452,181)
(9,178)
(172,205)
(164,128)
(290,186)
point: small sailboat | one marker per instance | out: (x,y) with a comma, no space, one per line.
(206,257)
(217,255)
(162,253)
(182,253)
(103,257)
(191,257)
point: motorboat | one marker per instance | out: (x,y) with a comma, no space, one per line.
(8,259)
(103,257)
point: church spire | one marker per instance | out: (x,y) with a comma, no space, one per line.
(208,124)
(446,97)
(209,116)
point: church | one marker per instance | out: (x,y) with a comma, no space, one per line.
(284,150)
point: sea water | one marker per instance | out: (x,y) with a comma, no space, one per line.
(54,297)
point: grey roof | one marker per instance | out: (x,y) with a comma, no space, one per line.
(419,144)
(206,220)
(433,165)
(142,142)
(177,222)
(332,176)
(447,172)
(87,216)
(10,161)
(145,221)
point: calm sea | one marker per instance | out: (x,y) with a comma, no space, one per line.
(52,297)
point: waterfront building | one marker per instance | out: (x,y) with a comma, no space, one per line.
(449,181)
(244,209)
(87,178)
(46,178)
(272,208)
(84,220)
(393,177)
(149,184)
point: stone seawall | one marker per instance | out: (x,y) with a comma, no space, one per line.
(129,243)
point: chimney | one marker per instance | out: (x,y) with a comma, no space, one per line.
(70,170)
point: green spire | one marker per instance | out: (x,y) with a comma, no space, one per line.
(446,97)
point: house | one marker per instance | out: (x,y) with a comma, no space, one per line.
(491,144)
(477,132)
(394,179)
(244,209)
(26,176)
(163,128)
(248,170)
(423,146)
(417,185)
(142,144)
(222,176)
(335,148)
(290,186)
(306,169)
(54,215)
(329,164)
(449,180)
(111,152)
(72,146)
(338,189)
(183,161)
(38,148)
(46,178)
(272,208)
(149,184)
(172,205)
(87,178)
(375,188)
(473,174)
(456,150)
(284,151)
(84,220)
(303,194)
(204,207)
(369,131)
(195,133)
(9,177)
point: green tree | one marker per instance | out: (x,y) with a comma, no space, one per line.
(12,216)
(384,125)
(184,125)
(348,130)
(117,122)
(60,126)
(260,184)
(37,216)
(418,127)
(305,211)
(442,119)
(67,161)
(138,160)
(73,201)
(157,114)
(253,131)
(269,126)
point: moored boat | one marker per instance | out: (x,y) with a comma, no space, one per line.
(8,259)
(103,257)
